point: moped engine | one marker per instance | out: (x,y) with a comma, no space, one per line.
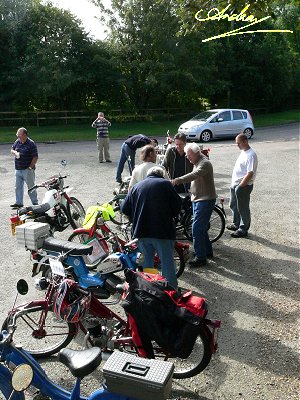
(101,332)
(61,220)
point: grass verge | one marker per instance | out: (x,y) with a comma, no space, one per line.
(123,130)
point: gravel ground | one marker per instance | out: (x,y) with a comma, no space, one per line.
(251,284)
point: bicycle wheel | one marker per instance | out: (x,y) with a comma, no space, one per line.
(197,361)
(83,237)
(41,339)
(187,226)
(119,218)
(216,225)
(76,213)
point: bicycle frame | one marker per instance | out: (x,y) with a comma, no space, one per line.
(15,356)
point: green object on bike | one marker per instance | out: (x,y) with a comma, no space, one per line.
(105,211)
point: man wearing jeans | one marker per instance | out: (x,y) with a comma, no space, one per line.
(128,151)
(26,155)
(243,176)
(152,205)
(203,196)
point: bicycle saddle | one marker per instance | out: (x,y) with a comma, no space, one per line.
(38,209)
(81,362)
(63,246)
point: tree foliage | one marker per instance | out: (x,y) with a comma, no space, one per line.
(154,57)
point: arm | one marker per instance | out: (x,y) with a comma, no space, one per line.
(247,178)
(167,160)
(199,171)
(94,123)
(126,206)
(33,162)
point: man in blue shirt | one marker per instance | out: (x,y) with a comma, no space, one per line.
(152,204)
(128,150)
(26,155)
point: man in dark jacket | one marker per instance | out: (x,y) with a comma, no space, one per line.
(128,151)
(152,205)
(176,162)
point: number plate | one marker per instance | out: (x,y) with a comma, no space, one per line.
(56,267)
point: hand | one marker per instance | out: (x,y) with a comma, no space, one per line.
(173,181)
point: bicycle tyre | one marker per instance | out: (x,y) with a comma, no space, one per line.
(83,237)
(197,361)
(216,225)
(120,218)
(76,213)
(53,338)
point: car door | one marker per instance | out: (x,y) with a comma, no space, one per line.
(237,121)
(222,124)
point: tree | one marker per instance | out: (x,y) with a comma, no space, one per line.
(157,66)
(51,63)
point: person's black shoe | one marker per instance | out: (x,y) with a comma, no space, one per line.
(119,181)
(210,255)
(232,227)
(100,162)
(108,160)
(197,262)
(16,205)
(239,234)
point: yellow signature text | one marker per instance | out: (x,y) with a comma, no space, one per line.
(215,15)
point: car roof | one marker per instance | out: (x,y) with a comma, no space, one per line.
(226,109)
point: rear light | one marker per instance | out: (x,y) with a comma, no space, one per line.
(250,117)
(34,255)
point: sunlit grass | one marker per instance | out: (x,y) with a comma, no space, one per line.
(123,130)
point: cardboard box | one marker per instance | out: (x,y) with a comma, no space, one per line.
(142,378)
(31,235)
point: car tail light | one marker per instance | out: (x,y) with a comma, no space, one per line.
(250,116)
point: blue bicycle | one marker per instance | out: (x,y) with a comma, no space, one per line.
(19,371)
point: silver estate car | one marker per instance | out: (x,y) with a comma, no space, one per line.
(218,123)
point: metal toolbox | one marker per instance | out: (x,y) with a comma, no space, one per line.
(142,378)
(31,235)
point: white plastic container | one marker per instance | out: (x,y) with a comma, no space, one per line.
(31,235)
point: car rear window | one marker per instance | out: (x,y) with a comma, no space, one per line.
(237,115)
(244,114)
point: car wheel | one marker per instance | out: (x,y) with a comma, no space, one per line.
(248,132)
(205,136)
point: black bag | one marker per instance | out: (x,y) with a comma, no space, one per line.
(150,302)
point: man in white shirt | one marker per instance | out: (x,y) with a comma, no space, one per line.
(148,158)
(243,176)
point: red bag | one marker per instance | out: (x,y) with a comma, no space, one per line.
(192,303)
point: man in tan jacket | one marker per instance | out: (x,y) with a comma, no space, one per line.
(203,196)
